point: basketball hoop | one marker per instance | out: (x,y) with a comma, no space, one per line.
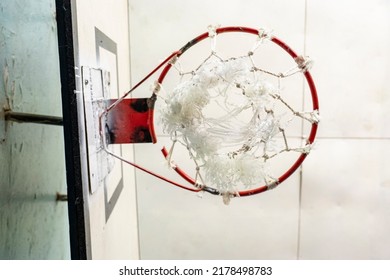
(233,148)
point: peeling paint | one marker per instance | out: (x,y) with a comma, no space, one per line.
(32,165)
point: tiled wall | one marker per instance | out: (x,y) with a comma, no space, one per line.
(346,181)
(340,207)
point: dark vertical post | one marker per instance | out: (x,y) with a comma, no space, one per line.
(71,132)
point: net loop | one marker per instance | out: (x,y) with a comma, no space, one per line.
(173,60)
(304,63)
(263,36)
(212,33)
(156,88)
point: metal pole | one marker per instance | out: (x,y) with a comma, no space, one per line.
(32,118)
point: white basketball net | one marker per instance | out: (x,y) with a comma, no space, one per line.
(232,119)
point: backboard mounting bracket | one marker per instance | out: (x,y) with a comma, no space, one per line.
(96,83)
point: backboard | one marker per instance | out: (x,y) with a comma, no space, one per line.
(100,204)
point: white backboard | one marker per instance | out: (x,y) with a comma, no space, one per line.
(101,50)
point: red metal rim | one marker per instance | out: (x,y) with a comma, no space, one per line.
(309,80)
